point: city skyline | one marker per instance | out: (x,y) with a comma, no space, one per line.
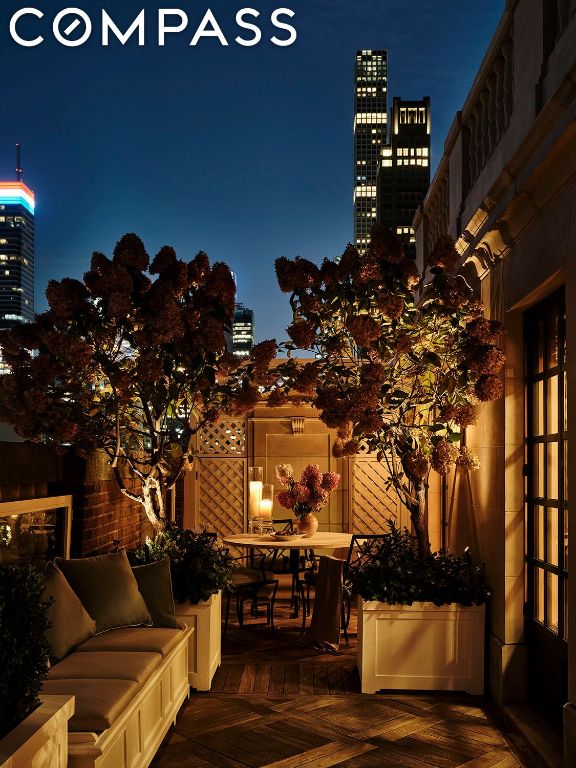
(242,154)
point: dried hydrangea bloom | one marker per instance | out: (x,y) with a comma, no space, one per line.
(468,459)
(286,500)
(301,493)
(404,344)
(284,473)
(364,330)
(302,333)
(467,414)
(312,476)
(488,388)
(444,254)
(411,274)
(330,481)
(485,359)
(444,454)
(416,465)
(278,398)
(391,306)
(485,331)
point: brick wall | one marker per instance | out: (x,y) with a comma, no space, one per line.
(103,516)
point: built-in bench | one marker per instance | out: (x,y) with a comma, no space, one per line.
(128,677)
(128,686)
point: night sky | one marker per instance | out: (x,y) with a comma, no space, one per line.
(245,153)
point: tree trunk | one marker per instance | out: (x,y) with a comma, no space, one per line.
(153,503)
(419,522)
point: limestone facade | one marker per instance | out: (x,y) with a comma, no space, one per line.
(505,189)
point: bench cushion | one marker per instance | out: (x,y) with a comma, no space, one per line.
(98,702)
(70,623)
(115,665)
(147,639)
(108,590)
(155,585)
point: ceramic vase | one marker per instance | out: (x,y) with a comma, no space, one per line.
(307,525)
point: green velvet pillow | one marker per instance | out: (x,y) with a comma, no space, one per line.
(108,590)
(155,585)
(70,624)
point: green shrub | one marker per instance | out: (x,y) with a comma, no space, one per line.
(24,646)
(199,566)
(389,569)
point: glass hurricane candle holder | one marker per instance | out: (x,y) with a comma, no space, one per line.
(267,501)
(255,475)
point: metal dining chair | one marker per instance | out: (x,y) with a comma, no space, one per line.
(277,562)
(356,551)
(246,584)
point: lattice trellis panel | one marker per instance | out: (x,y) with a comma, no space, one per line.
(363,449)
(227,438)
(221,495)
(372,503)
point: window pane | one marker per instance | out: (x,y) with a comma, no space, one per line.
(565,512)
(539,533)
(565,402)
(539,594)
(566,609)
(552,471)
(538,405)
(539,471)
(552,596)
(565,490)
(552,535)
(552,405)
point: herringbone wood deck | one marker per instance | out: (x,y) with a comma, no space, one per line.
(276,703)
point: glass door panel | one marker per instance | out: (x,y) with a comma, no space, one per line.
(547,506)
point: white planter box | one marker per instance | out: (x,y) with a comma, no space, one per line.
(40,741)
(420,647)
(205,649)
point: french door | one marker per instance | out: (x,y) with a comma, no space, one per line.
(547,507)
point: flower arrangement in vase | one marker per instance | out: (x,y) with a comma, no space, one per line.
(306,496)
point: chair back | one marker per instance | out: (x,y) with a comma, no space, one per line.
(358,549)
(212,536)
(280,524)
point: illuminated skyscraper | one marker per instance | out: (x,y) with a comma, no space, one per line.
(370,136)
(243,331)
(16,253)
(404,175)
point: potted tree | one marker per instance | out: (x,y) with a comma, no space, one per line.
(30,724)
(421,618)
(200,570)
(401,363)
(132,360)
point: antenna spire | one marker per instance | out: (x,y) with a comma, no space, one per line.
(18,162)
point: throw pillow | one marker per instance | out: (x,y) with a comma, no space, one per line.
(70,624)
(155,585)
(108,590)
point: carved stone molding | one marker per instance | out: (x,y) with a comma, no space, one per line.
(298,423)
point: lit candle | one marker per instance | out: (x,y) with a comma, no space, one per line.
(266,509)
(254,498)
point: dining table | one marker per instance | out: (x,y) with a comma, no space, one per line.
(320,540)
(329,540)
